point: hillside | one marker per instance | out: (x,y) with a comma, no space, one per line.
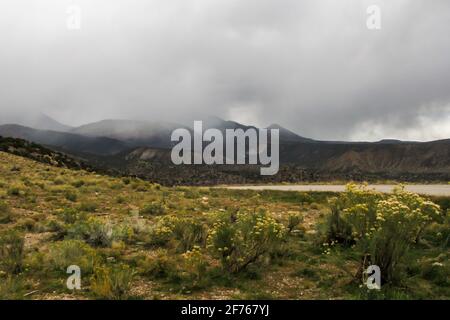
(39,153)
(69,142)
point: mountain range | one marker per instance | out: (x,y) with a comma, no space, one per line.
(143,148)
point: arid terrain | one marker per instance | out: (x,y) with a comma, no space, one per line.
(134,239)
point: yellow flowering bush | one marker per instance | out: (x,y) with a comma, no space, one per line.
(195,263)
(382,226)
(400,220)
(161,233)
(353,214)
(242,239)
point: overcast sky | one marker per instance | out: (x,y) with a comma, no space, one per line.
(311,66)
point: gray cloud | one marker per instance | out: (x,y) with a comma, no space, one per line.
(312,66)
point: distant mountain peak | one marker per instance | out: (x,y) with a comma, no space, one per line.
(36,120)
(288,135)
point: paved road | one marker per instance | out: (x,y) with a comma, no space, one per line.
(426,189)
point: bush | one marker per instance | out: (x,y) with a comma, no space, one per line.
(188,233)
(59,181)
(70,215)
(240,241)
(15,191)
(382,227)
(71,196)
(93,231)
(5,213)
(353,214)
(65,253)
(11,288)
(400,222)
(11,251)
(195,264)
(88,206)
(293,221)
(160,265)
(438,234)
(26,224)
(155,208)
(78,183)
(112,283)
(437,272)
(162,232)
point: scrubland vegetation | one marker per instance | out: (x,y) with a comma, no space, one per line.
(136,240)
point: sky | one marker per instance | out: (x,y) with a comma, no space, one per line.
(311,66)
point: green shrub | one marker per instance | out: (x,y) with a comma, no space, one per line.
(71,196)
(437,272)
(15,191)
(78,183)
(293,221)
(11,251)
(59,181)
(188,233)
(112,283)
(88,206)
(70,215)
(92,231)
(154,208)
(160,265)
(438,234)
(11,288)
(240,241)
(120,200)
(5,213)
(65,253)
(26,224)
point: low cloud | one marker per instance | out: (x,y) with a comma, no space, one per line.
(312,66)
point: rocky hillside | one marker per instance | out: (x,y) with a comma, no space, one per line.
(39,153)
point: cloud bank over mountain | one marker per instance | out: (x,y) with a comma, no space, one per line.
(312,66)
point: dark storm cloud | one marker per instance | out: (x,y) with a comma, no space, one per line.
(312,66)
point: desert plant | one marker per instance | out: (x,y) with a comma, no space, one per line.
(112,283)
(5,213)
(93,231)
(71,215)
(11,288)
(161,264)
(400,221)
(293,221)
(62,254)
(195,264)
(71,195)
(240,241)
(188,233)
(154,208)
(78,183)
(11,251)
(382,227)
(88,206)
